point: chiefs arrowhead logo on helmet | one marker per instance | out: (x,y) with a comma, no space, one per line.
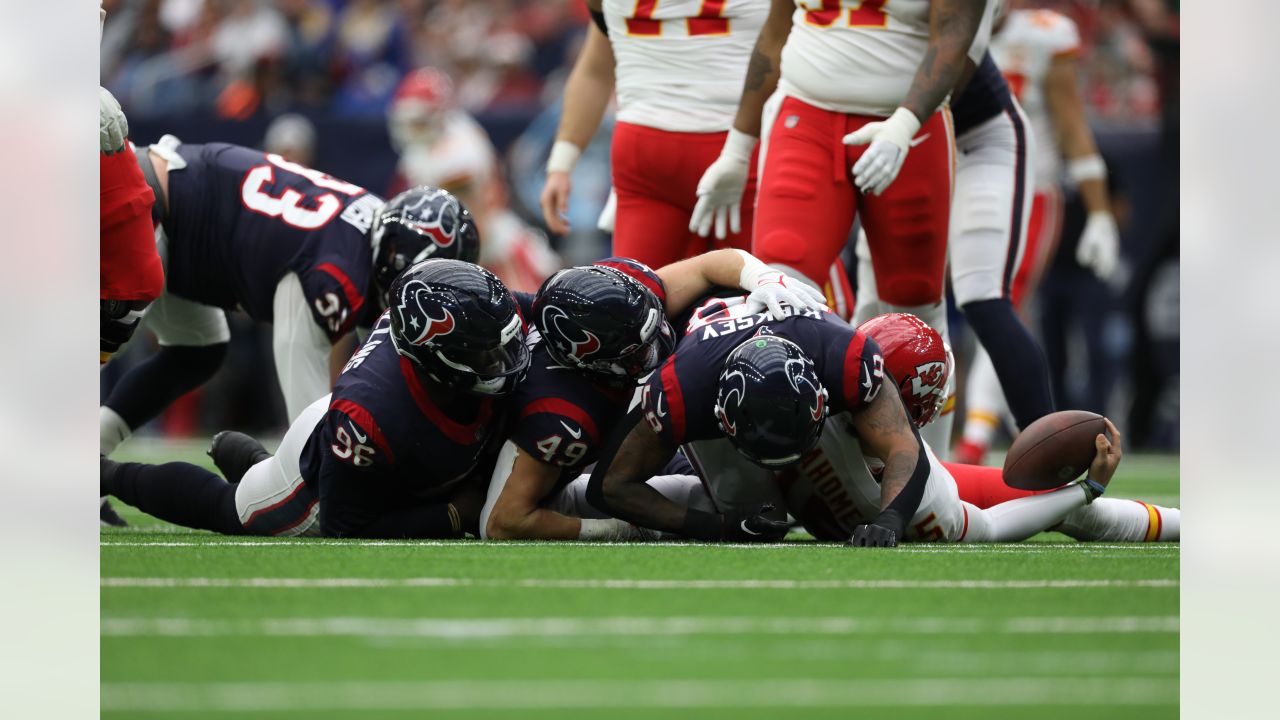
(928,379)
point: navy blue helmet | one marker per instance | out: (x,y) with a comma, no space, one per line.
(770,402)
(460,326)
(602,320)
(418,224)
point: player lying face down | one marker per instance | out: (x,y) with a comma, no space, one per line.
(600,327)
(916,356)
(765,386)
(835,487)
(291,246)
(401,449)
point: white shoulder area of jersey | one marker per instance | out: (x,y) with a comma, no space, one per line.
(1051,30)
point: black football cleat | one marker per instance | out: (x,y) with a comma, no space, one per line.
(234,453)
(109,517)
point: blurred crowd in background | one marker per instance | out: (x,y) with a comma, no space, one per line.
(320,81)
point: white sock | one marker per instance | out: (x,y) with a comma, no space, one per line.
(112,430)
(1019,519)
(984,401)
(684,490)
(1116,520)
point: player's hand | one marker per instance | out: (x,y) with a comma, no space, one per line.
(721,187)
(873,536)
(755,526)
(555,202)
(890,142)
(1099,248)
(775,289)
(1106,456)
(113,127)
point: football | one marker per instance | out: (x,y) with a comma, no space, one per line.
(1053,450)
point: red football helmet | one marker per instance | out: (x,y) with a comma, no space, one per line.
(418,108)
(917,358)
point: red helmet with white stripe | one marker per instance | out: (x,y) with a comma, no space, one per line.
(418,108)
(917,359)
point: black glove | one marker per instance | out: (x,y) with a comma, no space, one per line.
(117,321)
(883,532)
(754,526)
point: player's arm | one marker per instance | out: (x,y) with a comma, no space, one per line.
(1099,247)
(586,96)
(953,24)
(688,280)
(524,483)
(721,187)
(885,432)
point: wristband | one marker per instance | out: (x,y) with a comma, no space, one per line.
(564,157)
(1092,489)
(752,271)
(739,145)
(1089,167)
(907,120)
(599,529)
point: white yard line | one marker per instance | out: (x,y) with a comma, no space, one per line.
(502,628)
(627,584)
(921,548)
(630,694)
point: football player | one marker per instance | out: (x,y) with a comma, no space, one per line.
(286,244)
(400,449)
(850,74)
(600,327)
(1037,51)
(777,383)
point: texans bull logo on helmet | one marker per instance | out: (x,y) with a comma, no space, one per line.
(735,395)
(427,319)
(555,317)
(438,217)
(797,376)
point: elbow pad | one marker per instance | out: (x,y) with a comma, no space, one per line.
(598,18)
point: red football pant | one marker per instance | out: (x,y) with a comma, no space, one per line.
(1043,228)
(984,486)
(807,202)
(129,268)
(656,174)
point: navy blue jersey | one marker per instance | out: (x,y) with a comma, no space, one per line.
(395,446)
(986,96)
(240,220)
(679,398)
(560,415)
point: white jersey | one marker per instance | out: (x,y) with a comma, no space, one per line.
(681,63)
(859,56)
(1025,49)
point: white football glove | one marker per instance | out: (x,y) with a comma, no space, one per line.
(772,289)
(720,189)
(1099,248)
(113,128)
(890,142)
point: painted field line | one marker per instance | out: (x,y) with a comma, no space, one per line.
(628,694)
(492,628)
(627,583)
(1010,548)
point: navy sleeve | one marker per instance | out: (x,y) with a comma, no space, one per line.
(556,431)
(853,372)
(334,299)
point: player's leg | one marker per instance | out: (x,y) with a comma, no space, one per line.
(1016,520)
(300,348)
(272,498)
(648,227)
(992,206)
(193,341)
(1118,520)
(906,233)
(805,203)
(177,492)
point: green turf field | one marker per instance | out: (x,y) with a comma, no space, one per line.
(197,625)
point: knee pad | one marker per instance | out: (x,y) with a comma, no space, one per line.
(780,246)
(910,288)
